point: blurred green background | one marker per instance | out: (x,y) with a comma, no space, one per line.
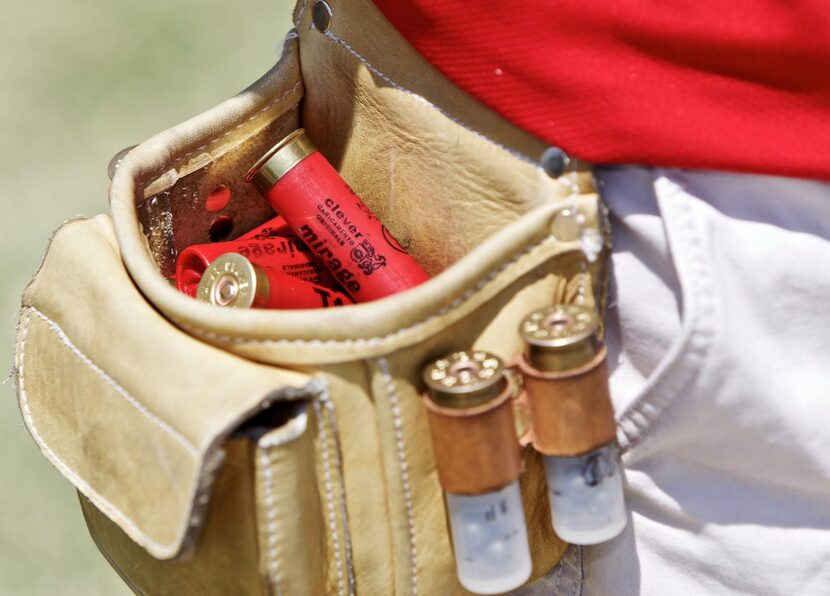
(80,80)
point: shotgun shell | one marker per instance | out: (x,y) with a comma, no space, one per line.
(566,380)
(287,255)
(304,188)
(233,281)
(471,422)
(273,228)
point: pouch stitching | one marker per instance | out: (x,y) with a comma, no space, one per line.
(344,514)
(102,503)
(292,431)
(173,164)
(271,518)
(407,489)
(375,341)
(377,72)
(300,14)
(179,438)
(558,578)
(329,490)
(335,540)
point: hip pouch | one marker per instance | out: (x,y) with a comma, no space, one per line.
(225,451)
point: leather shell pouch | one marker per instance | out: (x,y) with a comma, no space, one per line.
(287,452)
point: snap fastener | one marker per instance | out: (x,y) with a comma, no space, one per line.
(321,16)
(566,226)
(554,161)
(117,159)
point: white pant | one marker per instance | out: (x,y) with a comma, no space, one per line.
(719,343)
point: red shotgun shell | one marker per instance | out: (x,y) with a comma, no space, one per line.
(233,281)
(288,255)
(331,219)
(273,228)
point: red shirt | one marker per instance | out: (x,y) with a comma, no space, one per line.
(731,85)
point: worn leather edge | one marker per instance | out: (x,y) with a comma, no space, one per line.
(60,328)
(368,330)
(229,527)
(85,503)
(210,458)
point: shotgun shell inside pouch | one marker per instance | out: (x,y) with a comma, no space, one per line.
(471,422)
(276,227)
(288,255)
(350,241)
(566,380)
(233,281)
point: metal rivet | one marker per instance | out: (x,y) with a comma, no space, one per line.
(117,159)
(554,161)
(566,226)
(321,16)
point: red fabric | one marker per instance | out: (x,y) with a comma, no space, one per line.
(731,85)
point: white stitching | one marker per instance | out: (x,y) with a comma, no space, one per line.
(377,72)
(288,433)
(178,437)
(103,504)
(407,490)
(335,540)
(635,422)
(173,164)
(558,577)
(271,519)
(300,14)
(374,341)
(573,185)
(326,399)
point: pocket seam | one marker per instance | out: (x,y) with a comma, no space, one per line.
(128,397)
(636,422)
(397,422)
(100,501)
(273,566)
(323,400)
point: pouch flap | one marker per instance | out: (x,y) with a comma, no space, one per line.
(130,409)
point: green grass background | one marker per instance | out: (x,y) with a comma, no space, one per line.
(79,80)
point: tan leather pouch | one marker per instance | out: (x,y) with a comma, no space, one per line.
(287,452)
